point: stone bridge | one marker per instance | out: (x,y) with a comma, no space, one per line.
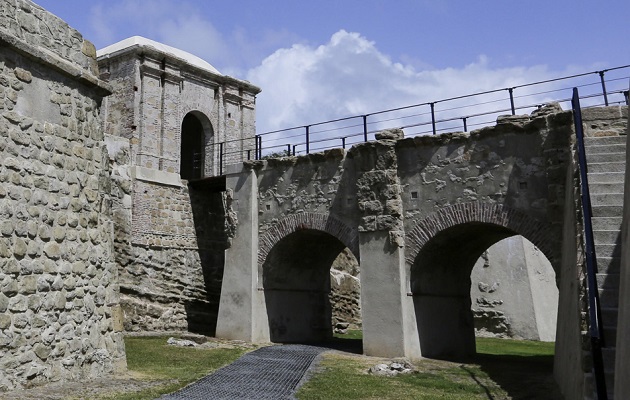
(417,213)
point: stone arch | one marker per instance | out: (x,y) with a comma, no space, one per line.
(442,250)
(316,221)
(497,214)
(196,132)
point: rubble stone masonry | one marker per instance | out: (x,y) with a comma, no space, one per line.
(59,301)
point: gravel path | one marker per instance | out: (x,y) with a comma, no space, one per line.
(273,372)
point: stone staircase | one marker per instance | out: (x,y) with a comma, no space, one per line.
(606,158)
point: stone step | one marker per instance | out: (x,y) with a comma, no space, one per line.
(607,187)
(604,140)
(605,251)
(608,353)
(609,298)
(609,316)
(606,177)
(605,148)
(606,157)
(606,223)
(607,264)
(607,237)
(607,167)
(610,334)
(606,210)
(607,199)
(608,281)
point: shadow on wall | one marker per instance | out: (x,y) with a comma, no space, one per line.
(209,220)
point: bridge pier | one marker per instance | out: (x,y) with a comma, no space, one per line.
(389,326)
(242,310)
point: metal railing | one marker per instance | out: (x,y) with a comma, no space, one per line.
(596,325)
(453,114)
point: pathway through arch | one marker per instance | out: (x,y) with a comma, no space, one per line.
(273,372)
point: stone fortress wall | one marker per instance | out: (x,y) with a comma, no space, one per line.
(59,302)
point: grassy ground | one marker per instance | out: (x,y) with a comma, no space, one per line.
(151,358)
(503,369)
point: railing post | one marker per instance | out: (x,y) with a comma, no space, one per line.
(343,142)
(626,95)
(433,117)
(511,90)
(221,158)
(365,132)
(601,78)
(249,155)
(288,149)
(294,146)
(465,126)
(256,147)
(259,147)
(307,138)
(594,308)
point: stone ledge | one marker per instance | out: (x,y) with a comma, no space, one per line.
(155,176)
(55,62)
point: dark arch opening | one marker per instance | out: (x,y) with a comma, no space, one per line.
(440,284)
(191,157)
(296,281)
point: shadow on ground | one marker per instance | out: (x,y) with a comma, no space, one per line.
(522,377)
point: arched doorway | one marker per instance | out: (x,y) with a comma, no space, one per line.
(297,286)
(440,283)
(196,131)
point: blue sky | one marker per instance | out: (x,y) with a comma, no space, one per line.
(327,59)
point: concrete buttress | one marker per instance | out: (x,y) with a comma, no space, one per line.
(241,308)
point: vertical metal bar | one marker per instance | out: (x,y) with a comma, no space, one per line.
(365,132)
(249,155)
(626,95)
(343,142)
(307,138)
(433,117)
(601,78)
(221,158)
(259,147)
(256,146)
(594,308)
(465,126)
(294,146)
(511,90)
(288,149)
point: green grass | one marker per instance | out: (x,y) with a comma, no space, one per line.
(151,358)
(352,334)
(503,369)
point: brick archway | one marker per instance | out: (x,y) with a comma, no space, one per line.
(317,221)
(497,214)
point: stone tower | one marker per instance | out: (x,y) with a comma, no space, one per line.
(172,118)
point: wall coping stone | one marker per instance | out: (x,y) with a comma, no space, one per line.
(155,176)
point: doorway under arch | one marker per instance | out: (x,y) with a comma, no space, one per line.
(196,131)
(296,276)
(440,282)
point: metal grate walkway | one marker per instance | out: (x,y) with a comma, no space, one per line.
(269,373)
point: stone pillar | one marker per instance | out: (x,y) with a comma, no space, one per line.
(151,115)
(389,328)
(170,145)
(242,311)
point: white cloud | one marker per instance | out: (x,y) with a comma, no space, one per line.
(349,76)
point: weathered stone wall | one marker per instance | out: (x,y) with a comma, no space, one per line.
(170,238)
(59,300)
